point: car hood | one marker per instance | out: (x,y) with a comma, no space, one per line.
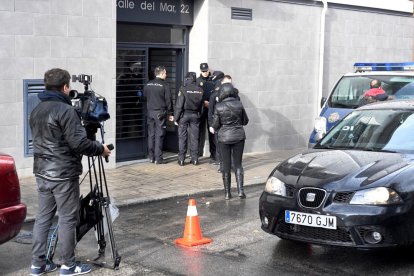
(347,169)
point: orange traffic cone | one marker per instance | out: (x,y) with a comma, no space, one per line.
(192,231)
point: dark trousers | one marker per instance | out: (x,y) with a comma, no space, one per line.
(203,128)
(218,154)
(156,134)
(188,121)
(62,197)
(229,150)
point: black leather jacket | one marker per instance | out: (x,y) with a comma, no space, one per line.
(59,139)
(228,119)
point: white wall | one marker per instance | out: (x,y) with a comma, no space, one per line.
(274,59)
(393,5)
(76,35)
(198,52)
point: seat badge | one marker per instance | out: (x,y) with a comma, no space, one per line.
(310,197)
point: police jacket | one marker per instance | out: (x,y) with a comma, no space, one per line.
(229,117)
(190,99)
(158,95)
(207,85)
(59,139)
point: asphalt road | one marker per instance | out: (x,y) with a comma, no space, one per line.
(145,236)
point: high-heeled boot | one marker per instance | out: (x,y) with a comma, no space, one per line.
(240,183)
(227,185)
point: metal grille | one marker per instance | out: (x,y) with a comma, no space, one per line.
(340,235)
(31,89)
(241,14)
(343,197)
(311,197)
(290,190)
(131,67)
(168,59)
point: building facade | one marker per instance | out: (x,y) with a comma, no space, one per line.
(283,55)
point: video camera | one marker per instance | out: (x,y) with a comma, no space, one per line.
(92,108)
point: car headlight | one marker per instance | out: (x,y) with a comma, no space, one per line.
(376,196)
(275,186)
(320,125)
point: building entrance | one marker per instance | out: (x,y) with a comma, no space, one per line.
(135,64)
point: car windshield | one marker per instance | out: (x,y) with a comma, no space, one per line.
(373,130)
(350,90)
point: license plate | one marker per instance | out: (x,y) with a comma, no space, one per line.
(311,220)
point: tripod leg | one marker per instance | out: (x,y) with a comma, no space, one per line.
(114,250)
(101,236)
(51,247)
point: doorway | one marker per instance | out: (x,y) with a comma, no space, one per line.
(134,67)
(140,48)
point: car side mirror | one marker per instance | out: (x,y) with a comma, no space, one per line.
(323,100)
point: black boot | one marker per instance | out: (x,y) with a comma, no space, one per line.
(240,183)
(227,184)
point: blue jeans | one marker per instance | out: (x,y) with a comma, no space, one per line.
(62,197)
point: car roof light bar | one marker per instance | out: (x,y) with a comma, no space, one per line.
(389,66)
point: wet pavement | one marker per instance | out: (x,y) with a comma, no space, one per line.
(145,235)
(140,182)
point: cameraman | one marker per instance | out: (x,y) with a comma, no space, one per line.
(59,141)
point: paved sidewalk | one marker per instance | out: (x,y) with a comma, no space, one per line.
(141,182)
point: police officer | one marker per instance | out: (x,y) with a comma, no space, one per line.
(159,107)
(206,83)
(187,114)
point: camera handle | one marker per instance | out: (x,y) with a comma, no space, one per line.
(110,147)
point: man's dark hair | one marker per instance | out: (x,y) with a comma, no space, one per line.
(375,84)
(158,70)
(191,76)
(227,77)
(56,78)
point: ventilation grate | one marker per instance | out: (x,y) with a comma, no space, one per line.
(241,14)
(31,88)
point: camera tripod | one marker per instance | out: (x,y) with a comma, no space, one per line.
(95,210)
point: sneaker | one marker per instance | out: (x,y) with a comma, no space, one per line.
(36,270)
(76,269)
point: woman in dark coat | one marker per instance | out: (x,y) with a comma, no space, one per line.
(228,120)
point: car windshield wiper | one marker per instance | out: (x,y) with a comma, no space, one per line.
(336,104)
(376,149)
(383,150)
(330,147)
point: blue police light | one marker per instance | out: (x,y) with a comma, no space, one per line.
(390,66)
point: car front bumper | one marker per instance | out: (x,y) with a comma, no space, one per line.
(355,223)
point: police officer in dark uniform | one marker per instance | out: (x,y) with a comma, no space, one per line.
(187,114)
(205,82)
(159,107)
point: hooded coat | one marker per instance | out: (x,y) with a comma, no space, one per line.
(229,116)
